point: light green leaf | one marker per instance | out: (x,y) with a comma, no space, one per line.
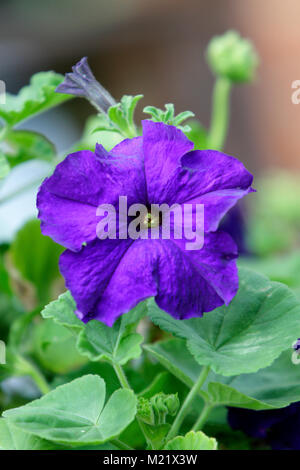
(74,414)
(13,438)
(192,441)
(117,344)
(54,346)
(261,321)
(35,98)
(168,116)
(22,145)
(259,391)
(62,312)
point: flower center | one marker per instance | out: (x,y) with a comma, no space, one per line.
(151,221)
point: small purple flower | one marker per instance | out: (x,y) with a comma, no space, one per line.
(296,345)
(81,82)
(280,428)
(107,278)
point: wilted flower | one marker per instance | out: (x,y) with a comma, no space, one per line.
(233,57)
(81,82)
(109,277)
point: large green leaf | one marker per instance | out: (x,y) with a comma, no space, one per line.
(62,312)
(74,414)
(117,344)
(258,391)
(261,321)
(36,258)
(34,98)
(192,441)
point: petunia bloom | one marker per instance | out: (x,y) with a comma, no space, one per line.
(109,277)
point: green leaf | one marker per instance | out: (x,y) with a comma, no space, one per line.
(4,166)
(261,321)
(35,98)
(24,145)
(121,115)
(62,312)
(259,391)
(74,414)
(36,258)
(192,441)
(117,344)
(168,116)
(13,438)
(54,347)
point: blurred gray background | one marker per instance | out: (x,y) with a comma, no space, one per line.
(156,47)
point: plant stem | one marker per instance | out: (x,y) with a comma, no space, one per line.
(220,114)
(39,380)
(121,376)
(202,417)
(124,382)
(187,403)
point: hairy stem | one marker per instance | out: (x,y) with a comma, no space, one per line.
(121,376)
(187,403)
(220,114)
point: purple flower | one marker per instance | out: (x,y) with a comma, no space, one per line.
(81,82)
(280,428)
(109,277)
(296,346)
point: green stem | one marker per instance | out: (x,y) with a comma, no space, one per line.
(121,376)
(39,380)
(124,382)
(202,417)
(220,114)
(187,403)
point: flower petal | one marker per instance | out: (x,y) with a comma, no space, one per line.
(194,282)
(163,147)
(68,200)
(109,277)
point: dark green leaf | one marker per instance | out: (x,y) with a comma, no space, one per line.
(258,391)
(261,321)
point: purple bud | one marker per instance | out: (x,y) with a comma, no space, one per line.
(81,82)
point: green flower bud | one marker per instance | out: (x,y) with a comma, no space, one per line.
(233,57)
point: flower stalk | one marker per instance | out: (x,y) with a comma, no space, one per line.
(220,113)
(187,403)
